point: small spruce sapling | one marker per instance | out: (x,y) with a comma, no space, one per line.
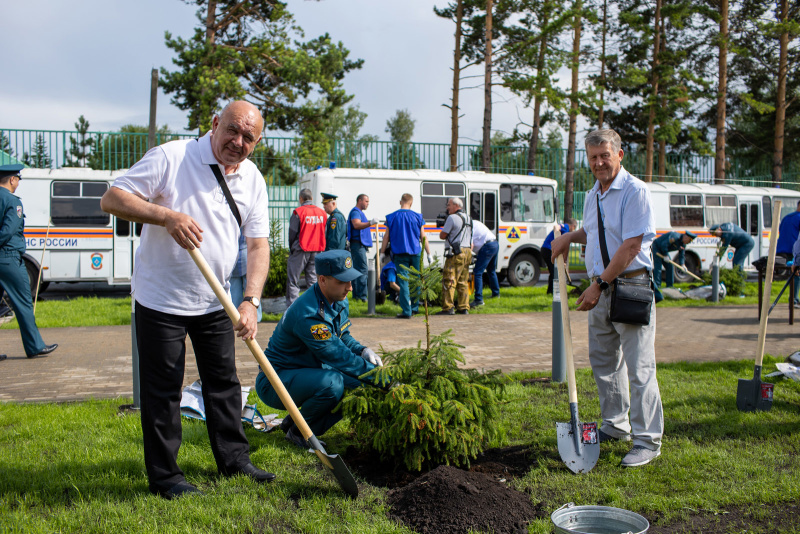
(426,411)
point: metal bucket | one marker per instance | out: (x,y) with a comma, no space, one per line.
(571,519)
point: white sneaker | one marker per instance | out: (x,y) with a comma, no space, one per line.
(640,456)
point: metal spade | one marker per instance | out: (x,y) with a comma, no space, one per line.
(578,443)
(332,462)
(752,395)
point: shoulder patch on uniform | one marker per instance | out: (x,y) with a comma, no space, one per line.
(321,332)
(345,325)
(19,211)
(333,223)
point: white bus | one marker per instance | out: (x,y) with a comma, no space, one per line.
(68,234)
(520,210)
(697,207)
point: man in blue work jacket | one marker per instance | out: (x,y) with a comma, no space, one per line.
(662,246)
(405,232)
(732,236)
(336,227)
(13,275)
(313,352)
(360,237)
(787,236)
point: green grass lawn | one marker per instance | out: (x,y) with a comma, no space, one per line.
(78,467)
(93,311)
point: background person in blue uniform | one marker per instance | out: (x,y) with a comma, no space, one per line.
(336,226)
(787,237)
(405,233)
(733,236)
(360,237)
(389,278)
(569,225)
(669,242)
(313,352)
(13,275)
(239,279)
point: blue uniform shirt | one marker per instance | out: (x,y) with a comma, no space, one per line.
(552,235)
(12,224)
(670,242)
(312,334)
(788,232)
(732,235)
(365,235)
(405,228)
(336,231)
(627,211)
(388,274)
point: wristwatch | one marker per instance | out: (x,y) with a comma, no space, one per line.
(255,301)
(602,283)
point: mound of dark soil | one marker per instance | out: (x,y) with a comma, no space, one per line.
(449,500)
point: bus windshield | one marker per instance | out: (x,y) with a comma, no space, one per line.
(527,203)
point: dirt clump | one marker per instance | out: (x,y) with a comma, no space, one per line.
(448,500)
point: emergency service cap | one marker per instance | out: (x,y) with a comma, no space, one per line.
(690,235)
(336,263)
(327,197)
(10,170)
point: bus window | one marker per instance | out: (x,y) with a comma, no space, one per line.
(138,229)
(78,204)
(527,203)
(475,201)
(123,228)
(435,195)
(686,210)
(482,208)
(720,209)
(766,208)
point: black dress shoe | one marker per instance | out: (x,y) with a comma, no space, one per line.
(294,437)
(259,475)
(451,311)
(45,351)
(403,316)
(178,490)
(287,423)
(3,357)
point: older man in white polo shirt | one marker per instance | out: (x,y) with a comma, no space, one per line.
(622,355)
(177,190)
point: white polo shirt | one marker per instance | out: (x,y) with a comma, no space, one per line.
(177,175)
(480,235)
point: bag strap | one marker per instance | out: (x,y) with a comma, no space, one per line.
(602,230)
(227,192)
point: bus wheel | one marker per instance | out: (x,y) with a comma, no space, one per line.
(523,271)
(692,264)
(33,274)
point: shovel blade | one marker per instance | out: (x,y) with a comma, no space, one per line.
(754,395)
(335,466)
(579,455)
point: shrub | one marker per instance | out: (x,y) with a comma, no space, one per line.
(732,278)
(278,256)
(427,410)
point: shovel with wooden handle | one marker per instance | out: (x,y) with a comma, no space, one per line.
(332,462)
(754,394)
(578,443)
(679,266)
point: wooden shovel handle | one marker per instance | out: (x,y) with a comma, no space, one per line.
(773,243)
(565,324)
(378,257)
(252,344)
(679,266)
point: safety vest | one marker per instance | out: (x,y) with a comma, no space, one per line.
(312,228)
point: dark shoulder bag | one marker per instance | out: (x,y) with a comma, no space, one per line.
(631,298)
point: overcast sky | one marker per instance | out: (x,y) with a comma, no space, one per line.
(93,57)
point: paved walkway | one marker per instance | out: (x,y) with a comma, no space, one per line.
(96,361)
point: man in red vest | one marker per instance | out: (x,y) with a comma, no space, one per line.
(306,238)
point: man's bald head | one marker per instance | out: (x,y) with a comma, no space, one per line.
(235,133)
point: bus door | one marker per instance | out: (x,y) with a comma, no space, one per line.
(483,207)
(126,240)
(750,222)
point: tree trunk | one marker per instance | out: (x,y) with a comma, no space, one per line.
(601,114)
(211,17)
(662,143)
(487,93)
(533,145)
(456,83)
(651,120)
(780,108)
(569,179)
(722,93)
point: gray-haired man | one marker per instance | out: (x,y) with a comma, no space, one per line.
(457,233)
(622,355)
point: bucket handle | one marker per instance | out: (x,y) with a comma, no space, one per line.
(568,505)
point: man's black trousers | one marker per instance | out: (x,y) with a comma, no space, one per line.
(161,339)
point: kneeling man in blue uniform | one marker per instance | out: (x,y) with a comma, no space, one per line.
(313,352)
